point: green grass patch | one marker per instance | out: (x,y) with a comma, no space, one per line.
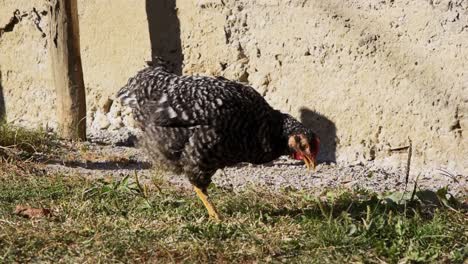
(122,221)
(22,143)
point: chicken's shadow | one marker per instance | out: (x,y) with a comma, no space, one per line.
(326,131)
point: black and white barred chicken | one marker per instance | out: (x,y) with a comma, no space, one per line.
(195,125)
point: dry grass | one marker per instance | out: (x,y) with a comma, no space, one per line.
(17,143)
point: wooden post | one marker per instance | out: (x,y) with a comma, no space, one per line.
(64,43)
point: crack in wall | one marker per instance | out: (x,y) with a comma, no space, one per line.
(14,20)
(54,11)
(18,16)
(37,20)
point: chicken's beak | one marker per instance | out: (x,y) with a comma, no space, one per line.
(310,161)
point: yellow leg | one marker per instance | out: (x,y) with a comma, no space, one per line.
(209,206)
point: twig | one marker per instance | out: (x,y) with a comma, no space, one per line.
(7,222)
(142,188)
(5,148)
(408,163)
(399,148)
(408,168)
(414,188)
(446,173)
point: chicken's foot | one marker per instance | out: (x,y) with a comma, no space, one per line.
(203,195)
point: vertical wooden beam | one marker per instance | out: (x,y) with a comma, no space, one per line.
(64,46)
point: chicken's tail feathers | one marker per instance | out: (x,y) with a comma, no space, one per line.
(126,96)
(129,94)
(128,99)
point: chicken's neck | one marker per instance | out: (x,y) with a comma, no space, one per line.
(292,126)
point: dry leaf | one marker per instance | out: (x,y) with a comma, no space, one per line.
(28,212)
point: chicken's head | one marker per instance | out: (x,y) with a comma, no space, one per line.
(304,146)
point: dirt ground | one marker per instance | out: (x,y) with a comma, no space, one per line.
(93,160)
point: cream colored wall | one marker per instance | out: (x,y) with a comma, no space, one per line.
(377,72)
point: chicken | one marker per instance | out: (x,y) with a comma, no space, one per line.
(195,125)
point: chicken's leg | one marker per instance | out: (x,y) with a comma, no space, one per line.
(203,195)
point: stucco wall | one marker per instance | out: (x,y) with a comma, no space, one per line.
(367,75)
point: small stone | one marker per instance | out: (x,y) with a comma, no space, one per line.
(105,104)
(126,111)
(128,121)
(101,121)
(116,123)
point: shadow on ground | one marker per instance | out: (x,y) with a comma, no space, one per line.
(326,131)
(423,203)
(164,30)
(2,101)
(104,165)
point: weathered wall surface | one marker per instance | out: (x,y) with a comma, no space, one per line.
(367,75)
(25,79)
(114,45)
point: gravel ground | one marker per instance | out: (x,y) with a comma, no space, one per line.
(117,161)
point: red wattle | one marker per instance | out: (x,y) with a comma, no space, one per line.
(297,156)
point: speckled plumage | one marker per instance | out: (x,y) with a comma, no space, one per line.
(196,125)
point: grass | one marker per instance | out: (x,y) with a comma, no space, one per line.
(21,143)
(124,221)
(121,221)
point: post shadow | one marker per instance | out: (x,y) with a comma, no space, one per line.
(2,101)
(164,30)
(325,130)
